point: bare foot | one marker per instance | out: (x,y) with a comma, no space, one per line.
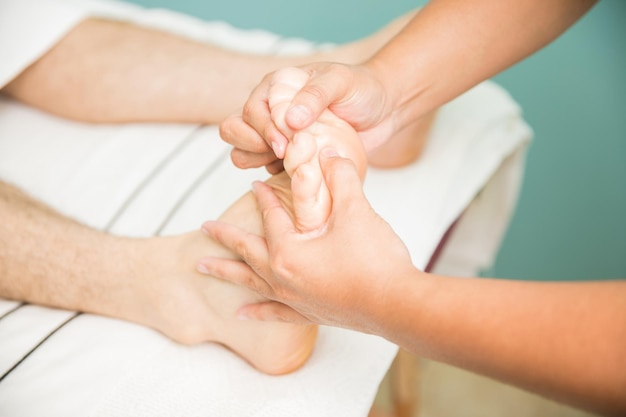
(311,198)
(192,308)
(405,147)
(273,348)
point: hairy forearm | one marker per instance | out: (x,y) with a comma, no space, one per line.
(452,45)
(565,340)
(48,259)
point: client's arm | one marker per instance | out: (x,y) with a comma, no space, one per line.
(106,71)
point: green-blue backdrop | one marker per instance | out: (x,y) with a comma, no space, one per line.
(570,222)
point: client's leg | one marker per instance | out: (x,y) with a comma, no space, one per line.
(49,259)
(273,348)
(280,347)
(405,147)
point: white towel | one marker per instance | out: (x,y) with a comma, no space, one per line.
(146,178)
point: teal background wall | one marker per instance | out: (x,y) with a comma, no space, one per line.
(571,218)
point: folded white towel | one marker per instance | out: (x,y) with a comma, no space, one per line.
(144,179)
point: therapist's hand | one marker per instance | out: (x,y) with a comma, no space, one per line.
(338,278)
(352,92)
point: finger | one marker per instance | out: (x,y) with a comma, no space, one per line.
(236,272)
(256,113)
(311,200)
(275,167)
(272,311)
(244,159)
(277,223)
(342,178)
(250,247)
(241,135)
(321,90)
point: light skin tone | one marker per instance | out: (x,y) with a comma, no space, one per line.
(565,340)
(424,66)
(310,195)
(146,75)
(48,259)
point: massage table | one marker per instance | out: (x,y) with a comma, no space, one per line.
(160,179)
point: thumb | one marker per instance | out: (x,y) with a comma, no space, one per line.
(320,91)
(342,178)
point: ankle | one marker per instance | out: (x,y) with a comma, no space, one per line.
(404,147)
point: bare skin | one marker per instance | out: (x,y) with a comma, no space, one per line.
(146,75)
(151,282)
(149,75)
(448,47)
(564,340)
(310,196)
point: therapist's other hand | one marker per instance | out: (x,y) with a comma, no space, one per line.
(338,278)
(352,92)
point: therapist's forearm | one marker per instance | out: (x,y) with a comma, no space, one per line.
(565,340)
(452,45)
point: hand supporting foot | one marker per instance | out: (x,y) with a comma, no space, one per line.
(311,198)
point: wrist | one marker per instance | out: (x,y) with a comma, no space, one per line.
(405,93)
(401,307)
(387,78)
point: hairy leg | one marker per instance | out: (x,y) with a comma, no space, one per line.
(49,259)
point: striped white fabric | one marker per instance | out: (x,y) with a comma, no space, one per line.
(147,179)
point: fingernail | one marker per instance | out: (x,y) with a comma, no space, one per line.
(278,149)
(299,114)
(202,269)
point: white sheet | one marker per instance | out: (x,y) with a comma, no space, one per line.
(144,179)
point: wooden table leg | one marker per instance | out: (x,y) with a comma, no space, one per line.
(404,383)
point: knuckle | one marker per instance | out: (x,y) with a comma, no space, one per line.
(219,270)
(240,159)
(268,131)
(339,69)
(281,265)
(314,93)
(226,129)
(248,111)
(278,313)
(240,247)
